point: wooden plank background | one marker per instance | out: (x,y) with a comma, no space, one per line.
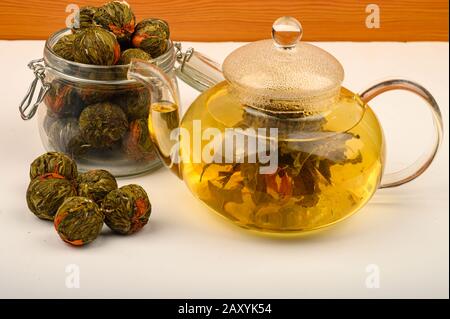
(245,20)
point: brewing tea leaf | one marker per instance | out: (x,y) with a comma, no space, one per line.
(225,195)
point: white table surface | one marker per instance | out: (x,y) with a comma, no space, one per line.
(188,252)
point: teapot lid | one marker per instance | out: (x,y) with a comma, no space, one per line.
(284,74)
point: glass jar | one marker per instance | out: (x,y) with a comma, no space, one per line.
(94,113)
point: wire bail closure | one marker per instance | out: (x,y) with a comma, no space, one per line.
(39,75)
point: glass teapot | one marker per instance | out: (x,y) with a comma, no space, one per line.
(280,145)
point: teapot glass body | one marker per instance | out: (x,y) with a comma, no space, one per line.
(314,174)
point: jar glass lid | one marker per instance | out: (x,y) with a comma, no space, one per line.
(284,74)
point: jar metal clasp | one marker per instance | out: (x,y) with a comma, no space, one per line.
(39,76)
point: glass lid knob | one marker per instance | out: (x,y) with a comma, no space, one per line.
(286,32)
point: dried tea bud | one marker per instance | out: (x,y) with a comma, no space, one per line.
(53,163)
(129,54)
(117,17)
(85,18)
(63,100)
(92,94)
(151,35)
(126,209)
(96,184)
(96,46)
(49,118)
(78,221)
(64,47)
(61,132)
(47,192)
(137,144)
(77,146)
(135,103)
(102,124)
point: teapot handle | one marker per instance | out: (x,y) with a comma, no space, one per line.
(409,173)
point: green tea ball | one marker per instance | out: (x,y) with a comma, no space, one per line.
(78,221)
(63,100)
(85,18)
(117,17)
(96,46)
(54,163)
(137,143)
(64,47)
(103,124)
(135,103)
(151,35)
(61,132)
(46,193)
(96,184)
(92,94)
(127,209)
(129,54)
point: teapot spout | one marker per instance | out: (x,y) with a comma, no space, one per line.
(164,115)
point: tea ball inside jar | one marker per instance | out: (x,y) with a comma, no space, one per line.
(96,184)
(127,209)
(47,192)
(78,221)
(137,143)
(133,53)
(134,102)
(64,47)
(96,46)
(103,124)
(63,100)
(61,132)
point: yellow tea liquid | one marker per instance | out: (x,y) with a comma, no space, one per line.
(325,173)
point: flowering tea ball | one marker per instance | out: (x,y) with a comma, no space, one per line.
(61,132)
(151,35)
(64,47)
(103,124)
(129,54)
(135,103)
(96,184)
(126,209)
(54,163)
(137,144)
(117,17)
(78,221)
(63,100)
(46,193)
(92,94)
(96,46)
(85,18)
